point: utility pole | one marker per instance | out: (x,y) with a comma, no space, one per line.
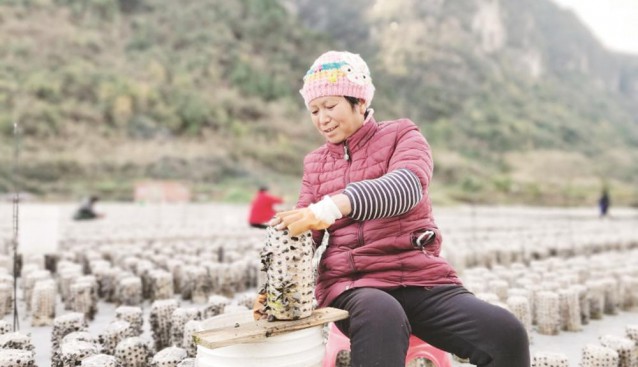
(16,222)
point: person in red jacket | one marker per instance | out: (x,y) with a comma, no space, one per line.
(262,208)
(366,188)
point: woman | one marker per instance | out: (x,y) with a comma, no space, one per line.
(367,186)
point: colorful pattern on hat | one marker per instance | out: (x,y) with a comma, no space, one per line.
(338,73)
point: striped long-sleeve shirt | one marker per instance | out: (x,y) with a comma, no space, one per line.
(390,195)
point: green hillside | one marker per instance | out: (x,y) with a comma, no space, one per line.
(525,109)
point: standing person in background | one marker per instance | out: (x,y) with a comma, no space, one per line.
(86,210)
(262,208)
(603,203)
(366,189)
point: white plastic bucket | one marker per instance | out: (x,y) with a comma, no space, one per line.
(301,348)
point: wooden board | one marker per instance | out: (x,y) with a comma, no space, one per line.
(256,331)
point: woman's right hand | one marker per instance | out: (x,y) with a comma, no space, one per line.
(259,307)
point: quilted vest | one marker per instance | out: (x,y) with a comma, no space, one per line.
(377,253)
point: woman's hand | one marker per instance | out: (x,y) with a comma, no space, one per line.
(298,221)
(317,216)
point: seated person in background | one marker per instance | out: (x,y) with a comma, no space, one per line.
(86,211)
(261,208)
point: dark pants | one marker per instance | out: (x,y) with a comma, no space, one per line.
(448,317)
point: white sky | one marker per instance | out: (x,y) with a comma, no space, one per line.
(613,22)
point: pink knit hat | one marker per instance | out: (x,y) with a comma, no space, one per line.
(338,73)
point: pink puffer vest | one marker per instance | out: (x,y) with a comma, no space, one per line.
(376,253)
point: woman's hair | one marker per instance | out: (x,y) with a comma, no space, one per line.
(355,101)
(352,100)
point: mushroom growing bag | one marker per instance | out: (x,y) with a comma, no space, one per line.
(287,262)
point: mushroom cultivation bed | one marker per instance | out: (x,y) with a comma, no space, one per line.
(139,282)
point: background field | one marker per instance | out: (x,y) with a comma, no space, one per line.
(519,100)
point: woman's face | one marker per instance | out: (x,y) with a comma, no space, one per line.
(334,117)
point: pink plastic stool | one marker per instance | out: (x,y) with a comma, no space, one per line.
(417,349)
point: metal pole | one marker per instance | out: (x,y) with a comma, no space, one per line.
(16,222)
